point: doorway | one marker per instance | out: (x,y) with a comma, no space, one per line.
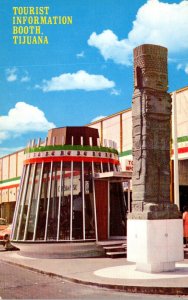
(117,211)
(183,190)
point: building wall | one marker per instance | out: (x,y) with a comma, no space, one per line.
(13,164)
(20,158)
(5,167)
(182,123)
(127,131)
(182,113)
(111,128)
(117,128)
(10,174)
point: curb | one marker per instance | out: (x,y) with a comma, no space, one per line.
(178,291)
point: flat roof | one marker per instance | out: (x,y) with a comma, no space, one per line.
(130,109)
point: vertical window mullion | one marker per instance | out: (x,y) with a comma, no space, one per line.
(101,167)
(63,198)
(71,202)
(59,207)
(18,203)
(95,212)
(38,201)
(129,197)
(29,204)
(48,204)
(83,203)
(23,199)
(108,209)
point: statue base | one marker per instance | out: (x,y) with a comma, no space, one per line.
(154,211)
(155,245)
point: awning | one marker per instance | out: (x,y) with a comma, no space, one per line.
(113,176)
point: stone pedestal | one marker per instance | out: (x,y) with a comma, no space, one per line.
(155,245)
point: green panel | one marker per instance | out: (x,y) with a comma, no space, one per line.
(9,180)
(125,153)
(182,139)
(70,147)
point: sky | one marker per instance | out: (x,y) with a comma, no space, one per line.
(85,72)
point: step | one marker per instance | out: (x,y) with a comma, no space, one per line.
(113,247)
(111,243)
(113,254)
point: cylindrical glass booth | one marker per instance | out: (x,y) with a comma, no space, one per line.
(57,200)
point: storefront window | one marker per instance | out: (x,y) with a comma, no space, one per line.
(21,206)
(97,167)
(111,167)
(64,229)
(54,200)
(41,224)
(105,167)
(32,215)
(77,225)
(116,168)
(25,210)
(89,202)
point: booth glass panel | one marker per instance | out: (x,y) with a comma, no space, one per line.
(89,202)
(19,209)
(32,215)
(25,209)
(54,201)
(97,167)
(105,167)
(111,167)
(64,230)
(77,225)
(43,202)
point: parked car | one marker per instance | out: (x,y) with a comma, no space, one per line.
(7,230)
(3,224)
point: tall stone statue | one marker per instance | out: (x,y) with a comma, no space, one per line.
(154,221)
(151,116)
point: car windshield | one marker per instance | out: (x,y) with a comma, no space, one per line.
(3,222)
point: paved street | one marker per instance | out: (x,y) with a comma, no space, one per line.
(19,283)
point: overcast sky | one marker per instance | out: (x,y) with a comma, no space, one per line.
(85,72)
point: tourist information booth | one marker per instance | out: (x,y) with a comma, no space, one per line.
(71,190)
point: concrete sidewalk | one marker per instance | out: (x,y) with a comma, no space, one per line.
(115,273)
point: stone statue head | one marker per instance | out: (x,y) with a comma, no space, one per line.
(155,80)
(150,69)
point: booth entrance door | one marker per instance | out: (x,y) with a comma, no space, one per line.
(117,211)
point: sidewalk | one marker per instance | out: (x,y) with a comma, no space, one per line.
(115,273)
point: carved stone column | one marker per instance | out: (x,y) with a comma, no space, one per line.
(151,117)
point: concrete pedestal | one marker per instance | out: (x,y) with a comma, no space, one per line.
(155,245)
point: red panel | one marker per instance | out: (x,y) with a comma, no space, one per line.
(101,193)
(9,186)
(70,158)
(181,150)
